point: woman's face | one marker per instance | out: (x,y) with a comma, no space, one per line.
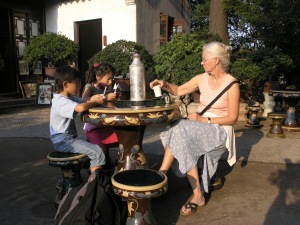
(208,62)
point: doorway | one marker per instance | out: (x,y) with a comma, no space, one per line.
(88,34)
(8,79)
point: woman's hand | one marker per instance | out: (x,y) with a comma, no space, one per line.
(158,82)
(196,117)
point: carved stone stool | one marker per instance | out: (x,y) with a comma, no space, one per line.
(276,130)
(139,186)
(70,164)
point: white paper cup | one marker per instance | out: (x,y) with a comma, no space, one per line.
(157,90)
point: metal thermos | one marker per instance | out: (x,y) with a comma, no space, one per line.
(137,81)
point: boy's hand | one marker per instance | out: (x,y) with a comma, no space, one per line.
(98,99)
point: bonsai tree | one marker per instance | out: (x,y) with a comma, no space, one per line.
(53,49)
(120,54)
(252,67)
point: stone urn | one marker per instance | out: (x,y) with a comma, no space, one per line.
(268,104)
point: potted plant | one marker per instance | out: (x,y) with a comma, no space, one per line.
(52,49)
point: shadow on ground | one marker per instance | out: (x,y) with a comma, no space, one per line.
(245,140)
(285,203)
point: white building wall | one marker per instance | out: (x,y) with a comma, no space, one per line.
(118,19)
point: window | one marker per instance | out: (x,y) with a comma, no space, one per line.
(178,26)
(169,26)
(164,24)
(25,29)
(34,28)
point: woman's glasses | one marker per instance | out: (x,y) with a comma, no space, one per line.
(204,60)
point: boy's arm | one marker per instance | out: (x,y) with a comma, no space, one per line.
(89,103)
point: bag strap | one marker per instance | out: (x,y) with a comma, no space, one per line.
(105,182)
(216,98)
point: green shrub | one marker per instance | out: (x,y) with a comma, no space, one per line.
(51,48)
(252,67)
(120,54)
(180,59)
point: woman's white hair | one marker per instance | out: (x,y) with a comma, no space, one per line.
(219,50)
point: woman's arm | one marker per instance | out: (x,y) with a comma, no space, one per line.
(173,89)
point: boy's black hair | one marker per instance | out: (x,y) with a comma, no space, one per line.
(65,73)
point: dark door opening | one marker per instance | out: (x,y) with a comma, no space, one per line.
(8,79)
(88,34)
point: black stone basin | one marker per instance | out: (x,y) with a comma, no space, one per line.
(139,177)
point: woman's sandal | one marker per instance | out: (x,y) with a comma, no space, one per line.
(191,206)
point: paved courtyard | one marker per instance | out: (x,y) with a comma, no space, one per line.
(262,188)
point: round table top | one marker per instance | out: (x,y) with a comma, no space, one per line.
(285,93)
(124,108)
(122,113)
(277,115)
(253,108)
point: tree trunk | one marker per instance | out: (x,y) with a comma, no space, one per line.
(218,20)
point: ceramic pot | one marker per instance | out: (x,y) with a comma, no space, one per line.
(50,71)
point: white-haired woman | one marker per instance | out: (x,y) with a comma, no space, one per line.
(207,135)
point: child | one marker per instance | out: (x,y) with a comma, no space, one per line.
(64,109)
(99,79)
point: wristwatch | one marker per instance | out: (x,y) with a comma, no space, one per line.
(208,120)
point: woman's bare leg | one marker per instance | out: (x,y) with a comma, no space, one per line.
(167,161)
(198,197)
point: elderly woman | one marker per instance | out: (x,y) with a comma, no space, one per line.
(206,135)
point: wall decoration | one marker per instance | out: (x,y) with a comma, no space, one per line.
(23,67)
(37,67)
(44,93)
(28,88)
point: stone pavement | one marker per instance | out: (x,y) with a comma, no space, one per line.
(262,188)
